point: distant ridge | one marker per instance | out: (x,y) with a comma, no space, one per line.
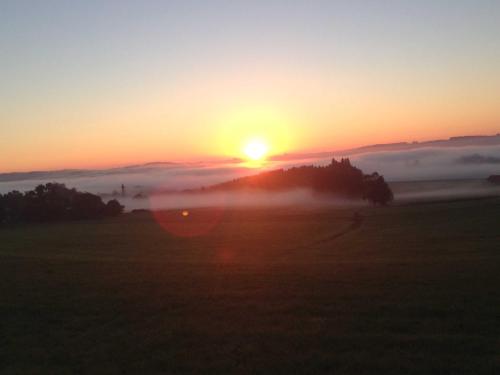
(65,173)
(460,141)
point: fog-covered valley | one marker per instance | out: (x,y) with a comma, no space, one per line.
(413,174)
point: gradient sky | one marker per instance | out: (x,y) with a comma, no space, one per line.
(100,83)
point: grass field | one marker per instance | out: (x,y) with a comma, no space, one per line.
(407,290)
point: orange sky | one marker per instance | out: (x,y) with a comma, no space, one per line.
(147,85)
(216,117)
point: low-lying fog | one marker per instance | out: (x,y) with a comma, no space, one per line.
(423,173)
(439,163)
(403,191)
(298,197)
(435,190)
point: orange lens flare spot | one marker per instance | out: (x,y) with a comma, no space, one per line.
(183,222)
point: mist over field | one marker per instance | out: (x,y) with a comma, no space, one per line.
(299,197)
(409,191)
(422,173)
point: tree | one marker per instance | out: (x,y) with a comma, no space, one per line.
(52,202)
(87,206)
(13,206)
(113,208)
(2,209)
(376,190)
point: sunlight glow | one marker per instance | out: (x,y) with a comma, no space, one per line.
(254,132)
(256,150)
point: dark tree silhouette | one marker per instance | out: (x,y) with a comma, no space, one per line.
(13,206)
(52,202)
(113,208)
(2,209)
(376,190)
(494,179)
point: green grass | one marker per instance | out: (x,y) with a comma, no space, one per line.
(414,290)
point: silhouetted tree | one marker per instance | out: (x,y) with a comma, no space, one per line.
(376,190)
(2,209)
(494,179)
(87,206)
(54,201)
(13,206)
(113,208)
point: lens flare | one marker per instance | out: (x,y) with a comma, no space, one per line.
(188,223)
(183,222)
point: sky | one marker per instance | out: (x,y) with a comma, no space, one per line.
(105,83)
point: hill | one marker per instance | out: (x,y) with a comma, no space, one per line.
(339,178)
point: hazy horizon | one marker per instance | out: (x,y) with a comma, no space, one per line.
(298,156)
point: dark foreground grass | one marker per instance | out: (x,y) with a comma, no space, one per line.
(413,290)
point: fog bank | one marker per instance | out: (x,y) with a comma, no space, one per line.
(449,189)
(473,163)
(299,197)
(432,163)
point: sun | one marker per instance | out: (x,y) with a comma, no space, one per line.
(256,150)
(253,133)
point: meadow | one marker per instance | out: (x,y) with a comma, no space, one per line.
(410,289)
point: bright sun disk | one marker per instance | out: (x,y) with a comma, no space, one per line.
(256,150)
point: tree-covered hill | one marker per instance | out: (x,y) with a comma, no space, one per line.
(339,178)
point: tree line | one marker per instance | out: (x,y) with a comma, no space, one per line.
(54,202)
(339,178)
